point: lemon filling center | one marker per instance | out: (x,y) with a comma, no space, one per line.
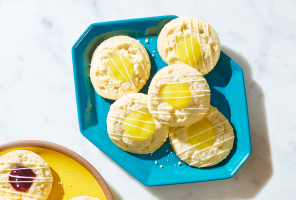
(202,134)
(177,95)
(188,50)
(139,125)
(120,67)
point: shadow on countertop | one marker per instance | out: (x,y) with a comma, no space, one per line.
(255,173)
(115,194)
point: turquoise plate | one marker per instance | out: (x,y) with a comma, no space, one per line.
(227,94)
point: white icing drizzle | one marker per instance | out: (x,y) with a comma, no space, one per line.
(116,65)
(177,76)
(217,161)
(113,75)
(180,108)
(217,154)
(134,137)
(118,70)
(201,95)
(37,178)
(130,109)
(186,47)
(129,80)
(175,39)
(184,91)
(210,52)
(199,133)
(139,112)
(132,119)
(181,82)
(40,181)
(13,162)
(203,141)
(178,113)
(199,40)
(211,146)
(22,169)
(192,42)
(210,156)
(130,125)
(139,58)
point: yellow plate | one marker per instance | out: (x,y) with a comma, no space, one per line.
(79,177)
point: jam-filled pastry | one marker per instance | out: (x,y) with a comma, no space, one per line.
(178,95)
(132,128)
(24,175)
(205,143)
(191,41)
(85,198)
(120,65)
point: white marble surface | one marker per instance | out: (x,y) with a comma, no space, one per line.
(37,97)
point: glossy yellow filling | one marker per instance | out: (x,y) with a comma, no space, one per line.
(188,50)
(177,95)
(121,67)
(202,133)
(139,125)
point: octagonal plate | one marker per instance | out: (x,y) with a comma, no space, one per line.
(227,94)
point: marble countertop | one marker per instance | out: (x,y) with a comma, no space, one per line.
(37,97)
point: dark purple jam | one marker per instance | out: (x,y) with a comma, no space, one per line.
(21,178)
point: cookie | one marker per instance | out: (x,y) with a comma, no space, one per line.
(24,175)
(120,65)
(132,128)
(191,41)
(178,95)
(84,198)
(205,143)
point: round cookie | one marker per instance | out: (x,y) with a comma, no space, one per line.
(120,65)
(178,95)
(191,41)
(84,198)
(132,128)
(205,143)
(36,178)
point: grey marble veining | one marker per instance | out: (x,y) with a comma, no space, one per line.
(37,97)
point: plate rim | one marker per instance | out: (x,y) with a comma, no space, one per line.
(61,149)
